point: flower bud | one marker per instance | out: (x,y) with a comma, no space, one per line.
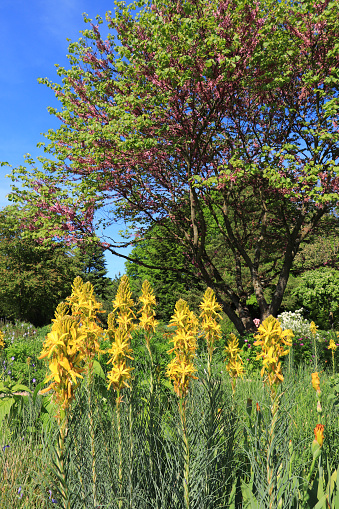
(316,382)
(319,433)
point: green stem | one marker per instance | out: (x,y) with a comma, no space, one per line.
(270,461)
(60,464)
(130,470)
(209,360)
(92,437)
(182,404)
(148,346)
(79,472)
(119,448)
(315,352)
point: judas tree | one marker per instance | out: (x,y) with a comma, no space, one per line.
(216,116)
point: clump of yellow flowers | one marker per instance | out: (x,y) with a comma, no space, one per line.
(181,368)
(63,348)
(120,327)
(147,319)
(272,339)
(2,344)
(72,342)
(209,318)
(84,308)
(234,362)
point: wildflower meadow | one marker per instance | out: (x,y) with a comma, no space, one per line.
(142,414)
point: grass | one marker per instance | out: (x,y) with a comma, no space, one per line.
(227,437)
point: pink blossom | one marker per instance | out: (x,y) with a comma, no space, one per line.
(256,322)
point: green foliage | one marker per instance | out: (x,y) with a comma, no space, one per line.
(168,275)
(318,290)
(333,396)
(11,403)
(23,345)
(33,278)
(206,134)
(92,267)
(225,440)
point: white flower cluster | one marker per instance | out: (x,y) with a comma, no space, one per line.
(295,321)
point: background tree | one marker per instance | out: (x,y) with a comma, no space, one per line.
(91,263)
(318,291)
(33,278)
(92,267)
(169,286)
(222,111)
(320,250)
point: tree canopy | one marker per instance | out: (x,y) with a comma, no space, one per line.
(169,286)
(34,278)
(219,116)
(92,268)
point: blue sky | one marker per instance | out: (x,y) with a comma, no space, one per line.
(33,38)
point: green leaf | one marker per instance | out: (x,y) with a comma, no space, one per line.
(97,369)
(5,407)
(36,391)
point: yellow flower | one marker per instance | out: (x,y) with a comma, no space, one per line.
(2,343)
(313,328)
(232,349)
(120,347)
(316,382)
(123,300)
(181,372)
(181,368)
(332,346)
(63,346)
(119,375)
(235,363)
(272,340)
(119,330)
(85,308)
(319,433)
(147,319)
(209,316)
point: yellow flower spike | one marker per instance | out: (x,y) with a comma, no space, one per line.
(148,301)
(84,308)
(119,331)
(63,346)
(120,347)
(234,362)
(332,346)
(209,316)
(2,343)
(123,300)
(316,382)
(272,340)
(118,376)
(181,372)
(313,328)
(232,349)
(181,368)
